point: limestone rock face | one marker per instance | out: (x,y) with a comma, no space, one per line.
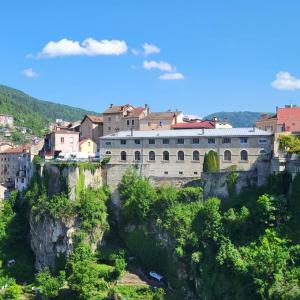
(51,239)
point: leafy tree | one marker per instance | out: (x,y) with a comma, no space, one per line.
(49,285)
(84,273)
(137,195)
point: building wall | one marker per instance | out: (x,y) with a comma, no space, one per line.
(187,167)
(9,166)
(88,146)
(148,123)
(111,122)
(66,142)
(267,125)
(90,130)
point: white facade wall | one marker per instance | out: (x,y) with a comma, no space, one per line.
(257,147)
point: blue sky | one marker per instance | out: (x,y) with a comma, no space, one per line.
(207,56)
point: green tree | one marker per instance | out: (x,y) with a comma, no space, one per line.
(49,285)
(211,162)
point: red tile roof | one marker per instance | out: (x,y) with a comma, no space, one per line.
(94,119)
(288,114)
(194,125)
(19,149)
(84,140)
(117,109)
(136,112)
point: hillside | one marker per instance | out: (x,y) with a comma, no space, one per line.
(237,119)
(34,113)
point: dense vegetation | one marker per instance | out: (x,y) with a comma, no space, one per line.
(247,248)
(289,143)
(237,119)
(86,273)
(33,113)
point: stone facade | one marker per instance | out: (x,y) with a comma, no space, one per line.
(91,128)
(119,118)
(180,153)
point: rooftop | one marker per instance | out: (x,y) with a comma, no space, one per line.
(162,115)
(19,149)
(117,108)
(219,132)
(94,119)
(194,125)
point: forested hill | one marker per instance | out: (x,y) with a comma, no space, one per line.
(237,119)
(34,113)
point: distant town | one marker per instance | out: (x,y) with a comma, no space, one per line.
(162,144)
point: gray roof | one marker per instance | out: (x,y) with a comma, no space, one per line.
(216,132)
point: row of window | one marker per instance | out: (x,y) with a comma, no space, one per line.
(180,155)
(181,141)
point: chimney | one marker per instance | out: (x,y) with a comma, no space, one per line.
(147,107)
(111,105)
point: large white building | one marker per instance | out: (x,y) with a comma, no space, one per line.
(180,153)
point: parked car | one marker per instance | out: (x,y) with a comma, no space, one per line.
(79,156)
(63,156)
(156,276)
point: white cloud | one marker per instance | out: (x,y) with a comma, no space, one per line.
(150,49)
(285,81)
(160,65)
(29,73)
(171,76)
(89,47)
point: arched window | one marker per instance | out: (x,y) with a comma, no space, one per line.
(137,155)
(262,151)
(244,155)
(180,155)
(123,155)
(227,155)
(196,155)
(166,155)
(151,155)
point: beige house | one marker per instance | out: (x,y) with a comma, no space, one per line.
(160,120)
(91,127)
(61,141)
(126,117)
(88,146)
(180,153)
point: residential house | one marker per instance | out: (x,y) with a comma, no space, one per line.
(286,119)
(119,118)
(180,153)
(91,127)
(88,146)
(160,120)
(60,141)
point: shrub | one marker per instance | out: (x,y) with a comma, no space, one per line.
(211,162)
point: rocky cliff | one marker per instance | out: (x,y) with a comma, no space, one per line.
(52,238)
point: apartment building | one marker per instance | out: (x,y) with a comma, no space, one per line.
(119,118)
(285,119)
(180,153)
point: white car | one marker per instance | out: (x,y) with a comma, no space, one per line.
(156,276)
